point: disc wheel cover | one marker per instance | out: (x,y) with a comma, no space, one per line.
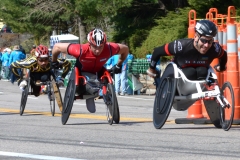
(163,101)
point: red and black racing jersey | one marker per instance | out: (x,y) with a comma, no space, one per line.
(88,61)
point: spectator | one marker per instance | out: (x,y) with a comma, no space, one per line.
(22,50)
(50,52)
(16,55)
(5,64)
(108,64)
(32,52)
(121,79)
(0,63)
(158,71)
(0,60)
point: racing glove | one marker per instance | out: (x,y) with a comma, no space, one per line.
(219,69)
(55,65)
(116,69)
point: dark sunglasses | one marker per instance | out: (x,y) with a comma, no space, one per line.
(43,59)
(204,41)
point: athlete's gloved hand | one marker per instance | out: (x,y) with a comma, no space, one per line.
(218,68)
(116,69)
(152,72)
(55,65)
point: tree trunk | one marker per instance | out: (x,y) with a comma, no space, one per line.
(81,29)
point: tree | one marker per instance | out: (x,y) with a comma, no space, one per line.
(143,24)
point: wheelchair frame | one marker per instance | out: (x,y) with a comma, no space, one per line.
(109,96)
(176,91)
(53,93)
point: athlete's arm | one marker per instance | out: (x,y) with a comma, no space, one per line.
(157,53)
(223,61)
(59,48)
(26,63)
(123,53)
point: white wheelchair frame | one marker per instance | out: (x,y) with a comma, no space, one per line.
(188,92)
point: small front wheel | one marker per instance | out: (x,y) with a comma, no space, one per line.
(25,94)
(51,98)
(24,99)
(227,111)
(57,95)
(110,100)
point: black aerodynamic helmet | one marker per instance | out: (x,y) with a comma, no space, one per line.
(206,28)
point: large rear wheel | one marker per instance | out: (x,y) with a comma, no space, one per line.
(116,116)
(68,98)
(163,101)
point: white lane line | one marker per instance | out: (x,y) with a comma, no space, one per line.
(4,80)
(32,97)
(34,156)
(79,104)
(1,92)
(130,97)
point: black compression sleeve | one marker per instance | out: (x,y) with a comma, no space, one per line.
(159,51)
(223,61)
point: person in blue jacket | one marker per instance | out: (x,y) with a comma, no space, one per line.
(120,79)
(5,64)
(16,55)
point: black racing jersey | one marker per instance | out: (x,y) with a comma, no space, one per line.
(31,64)
(186,55)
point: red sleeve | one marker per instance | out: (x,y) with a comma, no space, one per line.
(114,47)
(74,50)
(166,50)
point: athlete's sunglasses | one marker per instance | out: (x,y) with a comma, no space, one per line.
(204,41)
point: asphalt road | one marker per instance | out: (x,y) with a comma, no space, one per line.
(38,135)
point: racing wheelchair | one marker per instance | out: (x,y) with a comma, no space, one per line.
(176,91)
(89,91)
(52,91)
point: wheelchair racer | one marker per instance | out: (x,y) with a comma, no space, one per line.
(193,56)
(39,66)
(91,56)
